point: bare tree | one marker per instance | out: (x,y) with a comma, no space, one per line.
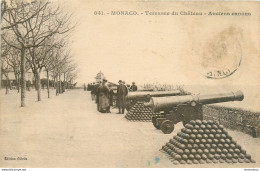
(40,22)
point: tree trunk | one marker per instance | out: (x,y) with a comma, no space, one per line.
(7,85)
(18,83)
(59,84)
(38,78)
(23,93)
(48,90)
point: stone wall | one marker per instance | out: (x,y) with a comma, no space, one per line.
(234,118)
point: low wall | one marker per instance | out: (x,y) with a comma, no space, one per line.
(234,118)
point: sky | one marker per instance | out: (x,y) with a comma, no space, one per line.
(164,49)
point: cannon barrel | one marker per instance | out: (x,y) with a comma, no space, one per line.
(139,95)
(164,103)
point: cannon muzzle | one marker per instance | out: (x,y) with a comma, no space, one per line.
(166,103)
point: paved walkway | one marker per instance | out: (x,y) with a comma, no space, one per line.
(67,131)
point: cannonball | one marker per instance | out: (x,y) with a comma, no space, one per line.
(180,151)
(199,136)
(191,156)
(193,151)
(197,141)
(202,161)
(241,160)
(218,136)
(204,156)
(219,131)
(217,156)
(212,151)
(189,162)
(215,160)
(228,141)
(209,161)
(193,136)
(188,131)
(223,136)
(213,131)
(195,146)
(195,131)
(222,141)
(242,156)
(229,156)
(220,146)
(225,151)
(176,162)
(211,136)
(208,146)
(191,141)
(177,157)
(205,136)
(198,122)
(182,162)
(226,145)
(202,146)
(204,141)
(243,151)
(207,131)
(221,127)
(200,131)
(196,127)
(230,150)
(189,126)
(215,140)
(204,122)
(234,160)
(235,156)
(206,151)
(200,151)
(232,145)
(236,150)
(202,126)
(184,157)
(194,161)
(186,151)
(223,156)
(228,161)
(192,122)
(209,127)
(246,160)
(214,146)
(248,156)
(210,156)
(214,126)
(209,141)
(189,146)
(197,156)
(211,122)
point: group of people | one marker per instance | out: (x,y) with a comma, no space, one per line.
(103,95)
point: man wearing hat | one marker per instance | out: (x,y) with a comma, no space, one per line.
(133,87)
(121,96)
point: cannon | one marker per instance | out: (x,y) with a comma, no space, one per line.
(133,97)
(175,109)
(135,100)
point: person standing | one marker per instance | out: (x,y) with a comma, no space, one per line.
(121,97)
(111,97)
(103,95)
(133,87)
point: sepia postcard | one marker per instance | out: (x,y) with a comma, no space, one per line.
(130,84)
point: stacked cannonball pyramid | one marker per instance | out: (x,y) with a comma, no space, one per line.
(205,142)
(140,113)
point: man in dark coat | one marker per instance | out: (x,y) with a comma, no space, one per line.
(133,87)
(121,97)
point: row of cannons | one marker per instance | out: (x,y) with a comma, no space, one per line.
(167,108)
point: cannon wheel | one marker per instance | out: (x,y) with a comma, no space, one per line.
(167,127)
(154,122)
